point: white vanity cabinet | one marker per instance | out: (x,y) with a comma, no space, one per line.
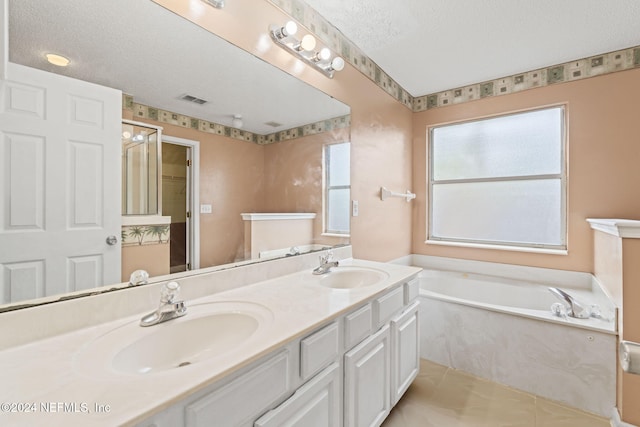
(405,354)
(348,372)
(367,381)
(243,399)
(379,370)
(315,404)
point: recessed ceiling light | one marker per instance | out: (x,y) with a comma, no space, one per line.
(58,60)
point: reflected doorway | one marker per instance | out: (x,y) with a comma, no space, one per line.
(178,177)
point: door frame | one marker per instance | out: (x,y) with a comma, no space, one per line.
(194,181)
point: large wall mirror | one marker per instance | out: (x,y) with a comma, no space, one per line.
(261,134)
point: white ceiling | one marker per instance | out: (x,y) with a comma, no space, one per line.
(428,46)
(146,51)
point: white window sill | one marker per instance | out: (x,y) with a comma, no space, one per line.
(335,235)
(499,247)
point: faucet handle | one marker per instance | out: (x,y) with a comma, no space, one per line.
(139,277)
(170,291)
(328,256)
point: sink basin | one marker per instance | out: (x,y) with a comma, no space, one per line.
(346,277)
(207,331)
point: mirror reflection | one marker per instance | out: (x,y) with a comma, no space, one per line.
(254,139)
(141,155)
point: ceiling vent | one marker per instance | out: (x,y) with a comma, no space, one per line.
(193,99)
(273,124)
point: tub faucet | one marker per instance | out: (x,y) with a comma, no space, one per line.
(574,307)
(326,262)
(169,308)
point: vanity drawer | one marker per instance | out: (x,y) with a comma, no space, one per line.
(411,291)
(319,350)
(387,305)
(244,398)
(357,326)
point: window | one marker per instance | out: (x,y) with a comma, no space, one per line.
(500,181)
(337,180)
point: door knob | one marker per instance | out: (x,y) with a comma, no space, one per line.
(112,240)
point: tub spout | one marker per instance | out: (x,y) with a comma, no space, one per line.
(574,307)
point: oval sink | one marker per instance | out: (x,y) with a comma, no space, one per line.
(207,331)
(184,343)
(351,277)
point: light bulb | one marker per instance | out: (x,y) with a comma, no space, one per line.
(337,63)
(237,121)
(324,54)
(290,28)
(308,43)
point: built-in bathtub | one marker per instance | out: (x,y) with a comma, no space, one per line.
(494,321)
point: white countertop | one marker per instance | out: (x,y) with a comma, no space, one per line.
(47,371)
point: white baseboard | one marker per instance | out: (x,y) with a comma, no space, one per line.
(616,421)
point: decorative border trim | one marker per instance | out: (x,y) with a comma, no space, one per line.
(138,235)
(163,116)
(612,62)
(607,63)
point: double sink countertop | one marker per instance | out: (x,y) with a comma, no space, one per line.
(70,379)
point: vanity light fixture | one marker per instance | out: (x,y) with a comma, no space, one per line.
(304,49)
(58,60)
(218,4)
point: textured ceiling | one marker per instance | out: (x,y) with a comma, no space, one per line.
(429,46)
(146,51)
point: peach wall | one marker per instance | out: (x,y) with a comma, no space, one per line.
(380,126)
(152,258)
(603,155)
(293,178)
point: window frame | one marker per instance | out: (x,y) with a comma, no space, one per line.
(562,248)
(326,188)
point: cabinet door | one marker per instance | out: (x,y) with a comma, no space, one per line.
(367,381)
(315,404)
(405,351)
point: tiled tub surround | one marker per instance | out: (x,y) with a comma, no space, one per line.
(297,307)
(494,321)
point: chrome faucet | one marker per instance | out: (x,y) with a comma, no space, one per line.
(169,308)
(326,262)
(573,307)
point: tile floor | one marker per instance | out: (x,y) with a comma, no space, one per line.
(445,397)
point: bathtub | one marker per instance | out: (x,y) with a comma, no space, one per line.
(494,321)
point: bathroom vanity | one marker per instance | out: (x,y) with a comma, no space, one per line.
(331,350)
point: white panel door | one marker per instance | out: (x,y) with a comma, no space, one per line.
(60,179)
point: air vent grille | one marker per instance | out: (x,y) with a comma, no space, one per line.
(193,99)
